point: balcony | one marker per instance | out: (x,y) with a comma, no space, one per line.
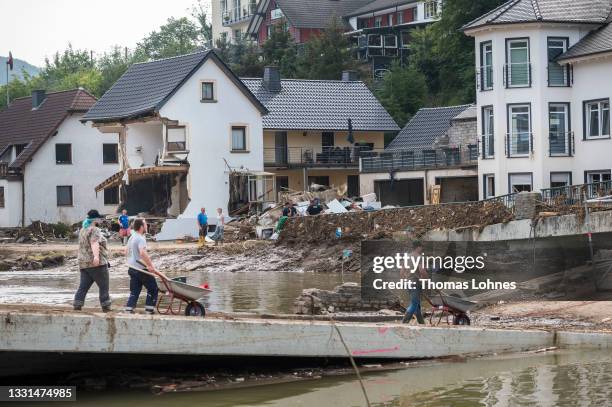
(561,144)
(409,160)
(340,157)
(238,14)
(517,75)
(519,144)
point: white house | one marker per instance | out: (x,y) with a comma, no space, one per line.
(190,136)
(50,162)
(544,70)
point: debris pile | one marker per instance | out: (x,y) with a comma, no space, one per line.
(37,231)
(356,226)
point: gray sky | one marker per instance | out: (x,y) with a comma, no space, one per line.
(35,29)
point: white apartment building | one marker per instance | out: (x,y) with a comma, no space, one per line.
(544,83)
(230,18)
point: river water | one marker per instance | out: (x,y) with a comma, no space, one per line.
(561,378)
(248,291)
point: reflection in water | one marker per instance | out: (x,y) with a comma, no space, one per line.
(264,292)
(563,378)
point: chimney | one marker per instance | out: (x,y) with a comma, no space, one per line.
(349,76)
(38,96)
(272,79)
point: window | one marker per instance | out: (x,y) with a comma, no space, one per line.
(239,138)
(319,180)
(400,17)
(489,186)
(176,138)
(558,129)
(237,35)
(431,9)
(488,145)
(597,119)
(19,149)
(208,92)
(486,65)
(390,19)
(64,195)
(1,197)
(405,39)
(63,154)
(110,153)
(390,45)
(560,179)
(519,136)
(558,75)
(518,68)
(111,196)
(378,22)
(597,176)
(374,41)
(520,182)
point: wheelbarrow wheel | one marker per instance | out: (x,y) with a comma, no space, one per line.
(195,309)
(461,320)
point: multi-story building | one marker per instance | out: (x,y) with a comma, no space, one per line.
(230,18)
(543,94)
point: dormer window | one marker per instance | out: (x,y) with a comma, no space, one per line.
(176,138)
(208,91)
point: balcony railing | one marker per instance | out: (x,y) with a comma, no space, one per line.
(487,146)
(561,144)
(408,160)
(575,194)
(484,77)
(316,156)
(517,75)
(238,14)
(519,144)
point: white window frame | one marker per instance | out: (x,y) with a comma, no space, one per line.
(566,177)
(489,178)
(564,68)
(211,82)
(602,105)
(509,62)
(488,129)
(486,48)
(600,173)
(176,127)
(400,17)
(430,9)
(375,46)
(520,178)
(566,123)
(511,115)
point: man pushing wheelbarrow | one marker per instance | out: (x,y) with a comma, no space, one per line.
(137,254)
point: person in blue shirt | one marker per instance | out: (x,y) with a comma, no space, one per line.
(124,227)
(203,226)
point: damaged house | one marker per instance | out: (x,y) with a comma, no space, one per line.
(432,160)
(50,162)
(190,136)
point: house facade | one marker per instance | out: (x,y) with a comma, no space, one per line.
(432,160)
(50,162)
(543,94)
(316,130)
(190,136)
(230,18)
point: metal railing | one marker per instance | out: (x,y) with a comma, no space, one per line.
(519,144)
(484,77)
(561,144)
(575,194)
(317,156)
(517,74)
(508,200)
(238,14)
(487,146)
(407,160)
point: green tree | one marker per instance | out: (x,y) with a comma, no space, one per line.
(112,65)
(280,49)
(327,55)
(200,12)
(176,37)
(403,92)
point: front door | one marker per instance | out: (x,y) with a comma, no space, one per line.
(280,148)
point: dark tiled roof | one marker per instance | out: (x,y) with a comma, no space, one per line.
(521,11)
(379,5)
(20,124)
(425,126)
(321,105)
(596,42)
(145,87)
(317,13)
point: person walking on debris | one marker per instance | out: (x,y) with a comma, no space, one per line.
(315,207)
(203,226)
(93,262)
(136,255)
(218,235)
(124,227)
(415,293)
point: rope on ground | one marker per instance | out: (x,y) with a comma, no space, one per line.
(348,352)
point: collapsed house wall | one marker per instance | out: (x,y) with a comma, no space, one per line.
(144,142)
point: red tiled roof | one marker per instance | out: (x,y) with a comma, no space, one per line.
(20,124)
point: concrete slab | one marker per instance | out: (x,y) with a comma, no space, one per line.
(142,334)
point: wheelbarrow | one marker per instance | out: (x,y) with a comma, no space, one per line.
(176,291)
(448,305)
